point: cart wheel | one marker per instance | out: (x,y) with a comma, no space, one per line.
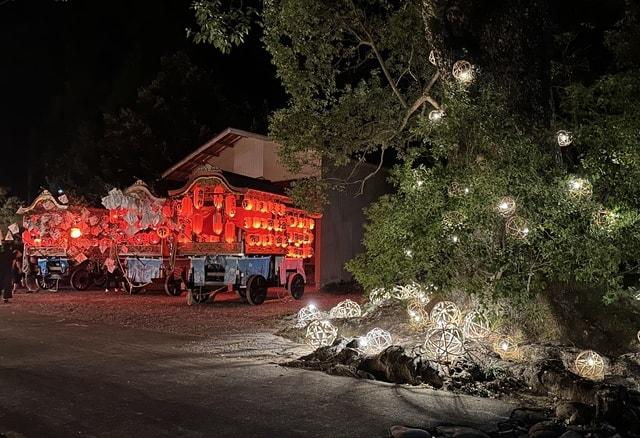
(256,289)
(31,283)
(196,297)
(100,280)
(81,279)
(295,285)
(172,286)
(130,288)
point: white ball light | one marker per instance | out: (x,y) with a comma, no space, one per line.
(476,325)
(445,313)
(506,348)
(321,333)
(589,365)
(565,138)
(579,188)
(377,341)
(345,309)
(436,115)
(307,314)
(517,227)
(506,207)
(418,315)
(444,343)
(463,72)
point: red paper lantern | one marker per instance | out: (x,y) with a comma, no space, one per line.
(229,232)
(198,197)
(256,222)
(217,223)
(187,206)
(230,205)
(247,204)
(247,223)
(197,223)
(153,238)
(218,196)
(162,232)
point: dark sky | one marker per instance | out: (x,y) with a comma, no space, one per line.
(63,63)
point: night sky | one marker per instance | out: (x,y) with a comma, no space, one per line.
(65,63)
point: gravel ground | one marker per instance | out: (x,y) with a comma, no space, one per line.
(227,316)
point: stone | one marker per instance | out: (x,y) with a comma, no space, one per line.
(574,413)
(391,365)
(408,432)
(546,429)
(365,375)
(528,416)
(460,432)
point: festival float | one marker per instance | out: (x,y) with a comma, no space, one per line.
(204,238)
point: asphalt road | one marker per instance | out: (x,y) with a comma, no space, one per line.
(60,378)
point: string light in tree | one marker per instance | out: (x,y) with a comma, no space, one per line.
(445,313)
(377,340)
(605,219)
(517,227)
(455,238)
(321,333)
(589,365)
(579,187)
(408,253)
(506,207)
(436,115)
(476,325)
(457,190)
(453,220)
(307,314)
(345,309)
(444,344)
(565,138)
(463,72)
(507,348)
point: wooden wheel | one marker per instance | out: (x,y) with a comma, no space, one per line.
(81,279)
(295,285)
(173,285)
(197,297)
(31,283)
(256,290)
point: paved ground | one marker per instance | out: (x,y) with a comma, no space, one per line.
(68,376)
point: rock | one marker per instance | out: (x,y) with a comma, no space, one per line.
(428,374)
(365,375)
(353,343)
(546,429)
(619,406)
(342,370)
(460,432)
(574,413)
(391,365)
(407,432)
(549,376)
(527,417)
(572,434)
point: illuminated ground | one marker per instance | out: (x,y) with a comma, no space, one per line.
(76,371)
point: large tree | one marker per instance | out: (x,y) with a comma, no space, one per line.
(487,204)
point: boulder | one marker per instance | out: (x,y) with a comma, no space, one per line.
(546,429)
(391,365)
(460,432)
(574,413)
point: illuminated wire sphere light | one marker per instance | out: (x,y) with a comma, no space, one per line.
(457,190)
(565,138)
(378,295)
(406,291)
(463,72)
(321,333)
(432,57)
(506,348)
(418,315)
(506,207)
(445,313)
(436,115)
(589,365)
(453,220)
(476,325)
(579,188)
(307,314)
(377,340)
(517,227)
(346,309)
(444,343)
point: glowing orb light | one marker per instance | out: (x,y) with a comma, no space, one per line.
(506,348)
(463,72)
(345,309)
(476,325)
(307,314)
(436,115)
(75,233)
(589,365)
(506,207)
(564,138)
(444,343)
(377,340)
(445,313)
(517,227)
(579,188)
(321,333)
(418,315)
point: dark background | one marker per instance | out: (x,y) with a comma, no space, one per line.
(66,64)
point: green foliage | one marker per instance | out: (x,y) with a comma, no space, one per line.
(8,207)
(222,25)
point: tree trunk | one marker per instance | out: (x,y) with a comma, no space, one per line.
(508,41)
